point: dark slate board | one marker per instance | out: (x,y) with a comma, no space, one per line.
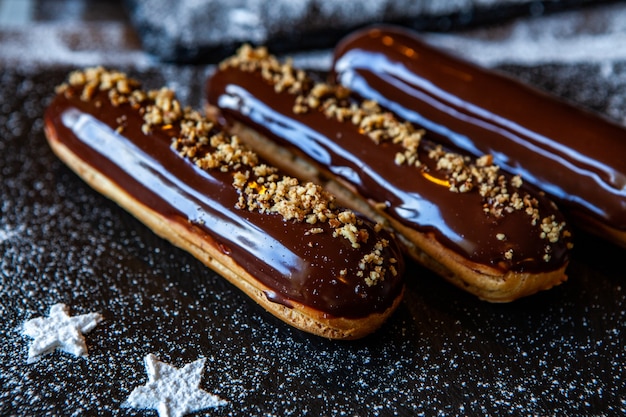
(560,352)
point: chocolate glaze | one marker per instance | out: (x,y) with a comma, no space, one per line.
(414,199)
(579,158)
(295,266)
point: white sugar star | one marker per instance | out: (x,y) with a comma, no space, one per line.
(171,391)
(59,330)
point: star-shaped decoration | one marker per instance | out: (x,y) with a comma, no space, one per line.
(59,330)
(171,391)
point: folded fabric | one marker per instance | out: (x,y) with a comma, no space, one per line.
(207,30)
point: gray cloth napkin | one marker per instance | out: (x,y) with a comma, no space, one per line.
(206,30)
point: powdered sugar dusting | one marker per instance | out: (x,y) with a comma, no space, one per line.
(80,44)
(594,35)
(10,232)
(443,352)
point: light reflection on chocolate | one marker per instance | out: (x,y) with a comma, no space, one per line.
(277,252)
(575,156)
(422,202)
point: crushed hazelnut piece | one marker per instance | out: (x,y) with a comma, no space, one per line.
(331,100)
(501,194)
(261,187)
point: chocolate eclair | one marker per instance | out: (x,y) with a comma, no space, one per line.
(484,230)
(574,155)
(283,242)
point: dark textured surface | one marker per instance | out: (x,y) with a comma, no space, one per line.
(560,352)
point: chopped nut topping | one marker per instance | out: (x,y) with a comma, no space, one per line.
(283,76)
(261,188)
(376,260)
(516,181)
(331,100)
(501,194)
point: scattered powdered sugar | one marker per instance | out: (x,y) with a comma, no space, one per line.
(79,44)
(442,353)
(9,232)
(592,35)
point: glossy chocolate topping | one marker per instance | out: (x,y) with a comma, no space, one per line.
(575,156)
(298,261)
(418,197)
